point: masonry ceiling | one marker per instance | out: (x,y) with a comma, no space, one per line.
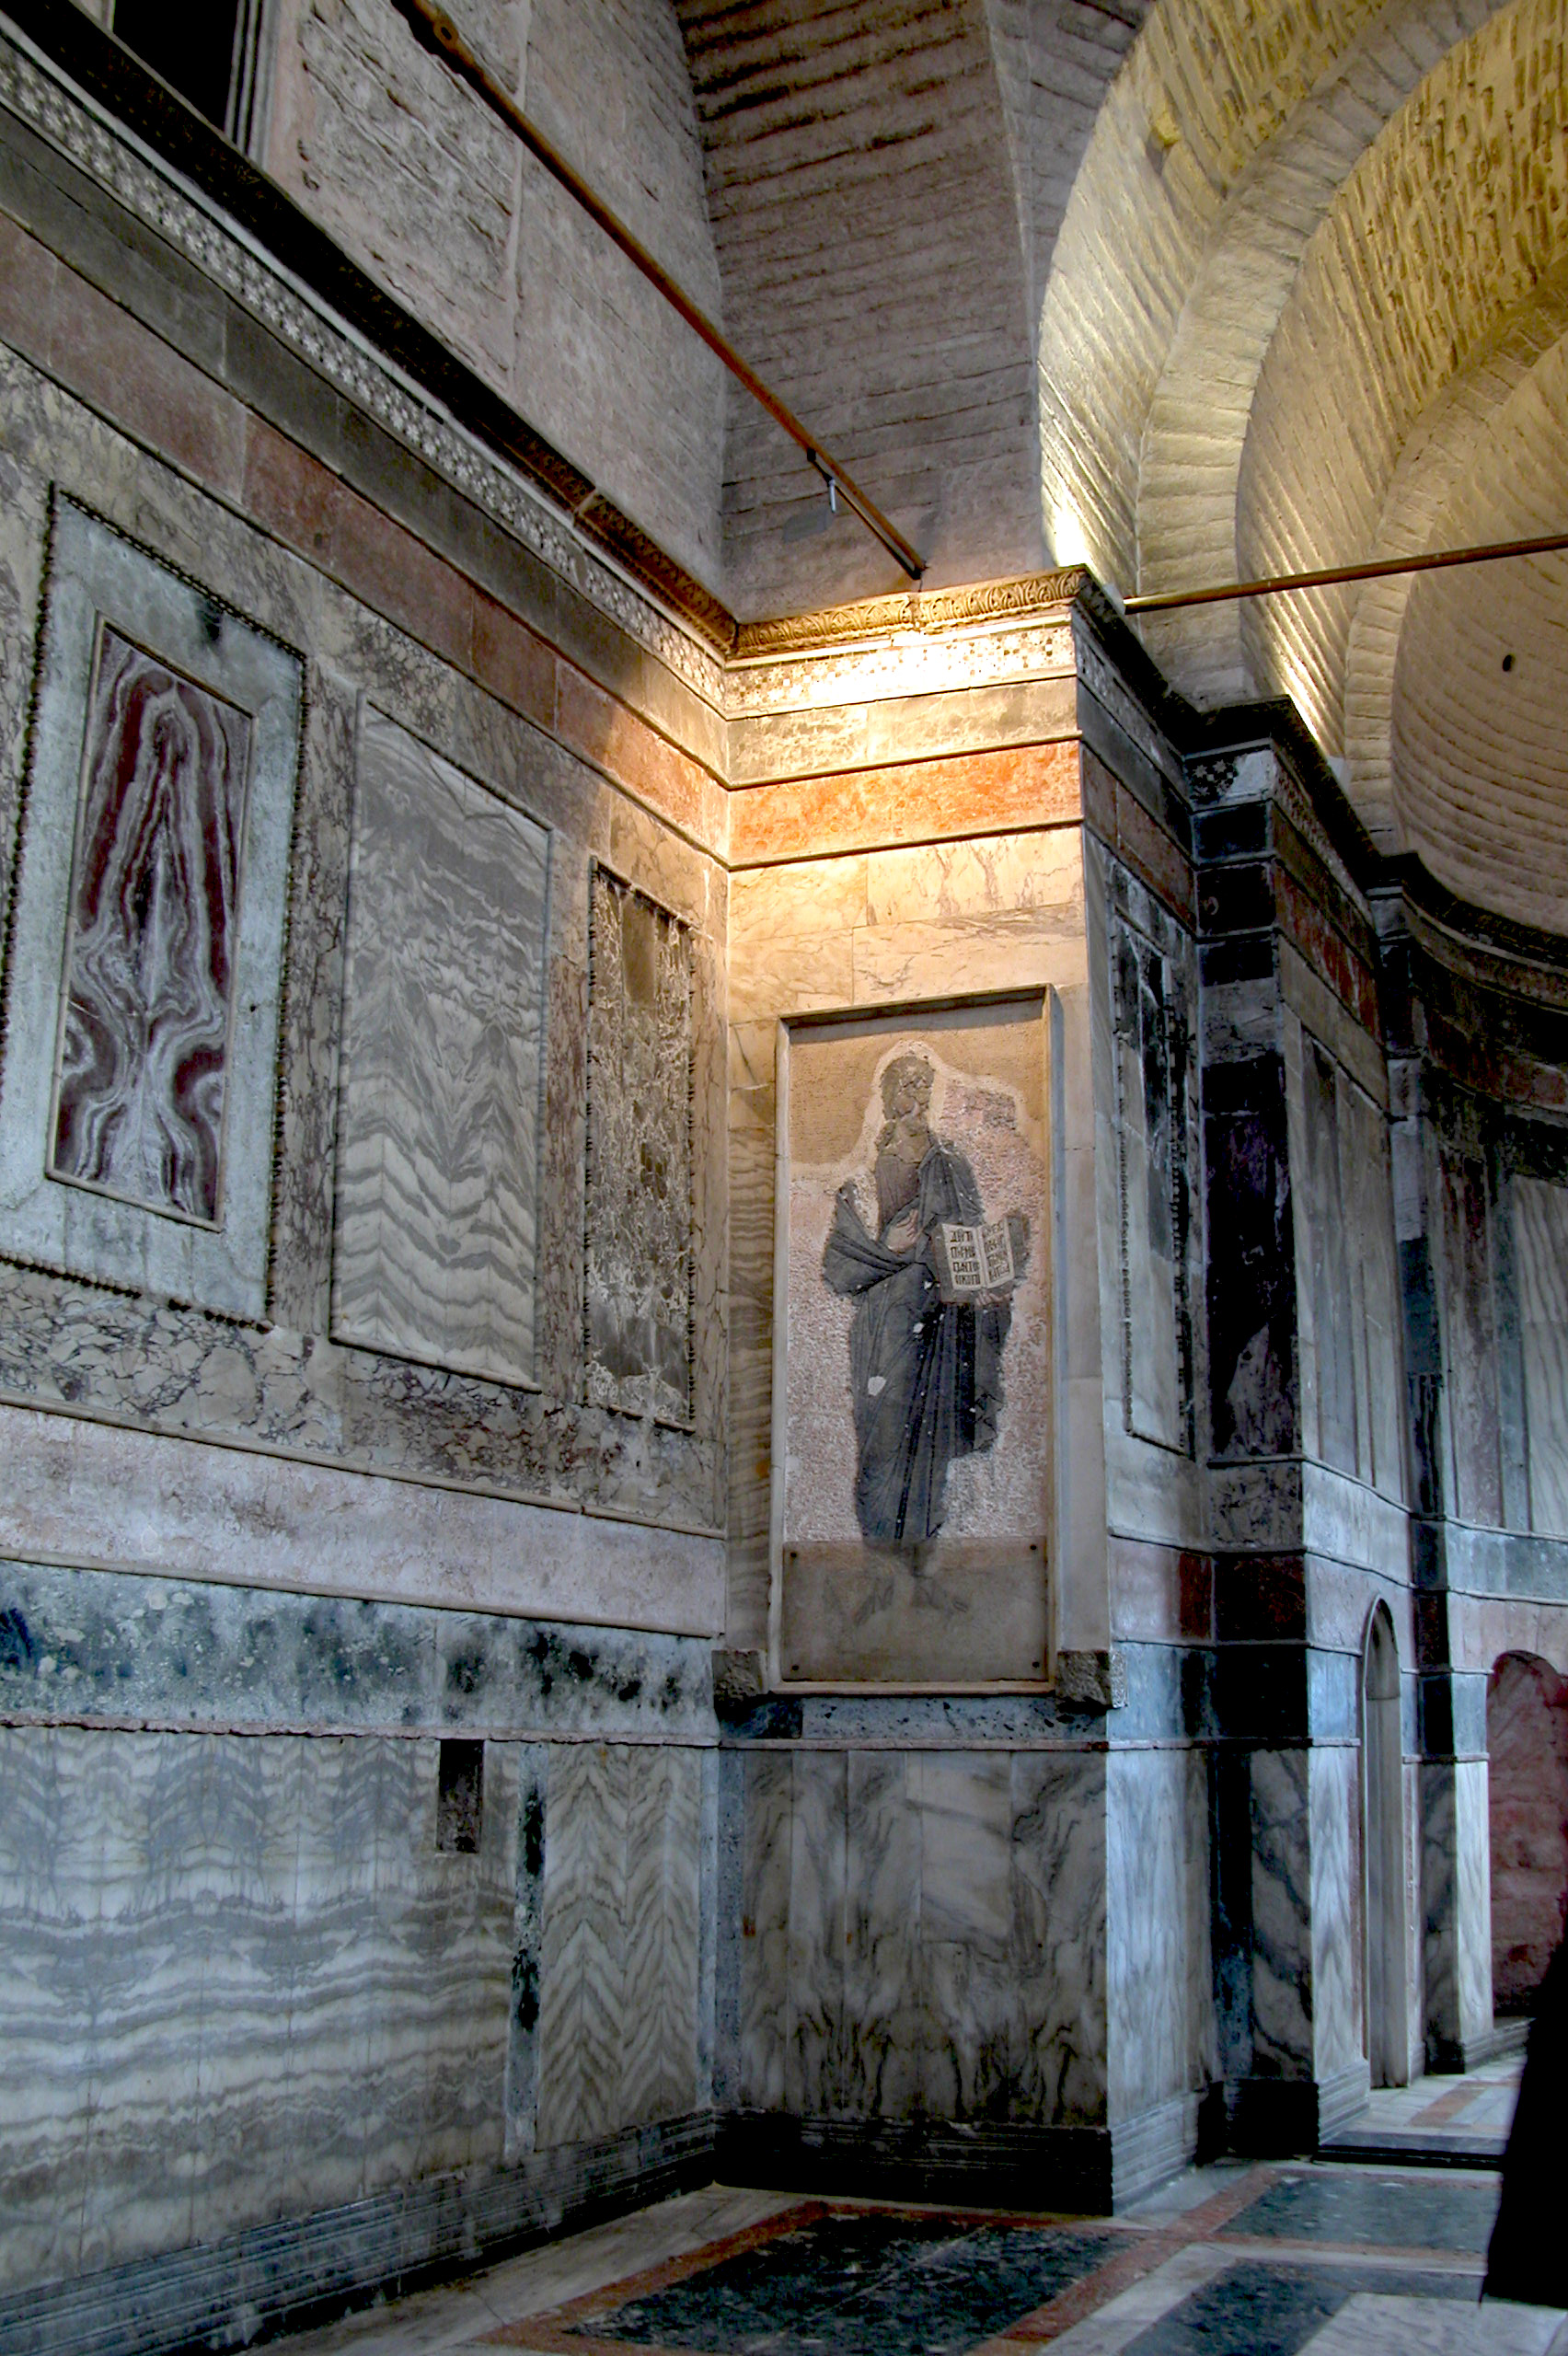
(1232,286)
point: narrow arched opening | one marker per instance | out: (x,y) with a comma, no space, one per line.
(1526,1748)
(1385,2031)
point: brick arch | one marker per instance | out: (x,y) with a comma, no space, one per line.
(1207,88)
(1448,226)
(1195,430)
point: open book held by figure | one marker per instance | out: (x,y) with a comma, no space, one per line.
(972,1260)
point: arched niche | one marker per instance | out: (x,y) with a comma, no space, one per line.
(1385,2015)
(1527,1747)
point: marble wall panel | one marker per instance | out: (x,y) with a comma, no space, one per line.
(762,1965)
(140,1359)
(1251,1277)
(1151,998)
(638,1305)
(144,971)
(1281,1913)
(151,935)
(1329,1320)
(1337,1928)
(1470,1338)
(141,1501)
(882,1937)
(1380,1367)
(438,1172)
(1541,1241)
(923,1934)
(242,1983)
(1060,2068)
(620,1939)
(1161,2038)
(1526,1750)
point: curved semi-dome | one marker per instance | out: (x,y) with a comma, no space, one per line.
(1305,310)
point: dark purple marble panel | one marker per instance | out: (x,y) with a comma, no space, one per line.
(151,936)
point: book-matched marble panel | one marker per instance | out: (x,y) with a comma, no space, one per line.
(145,976)
(620,1939)
(638,1310)
(437,1187)
(923,1934)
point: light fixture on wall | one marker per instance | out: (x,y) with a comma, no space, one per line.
(819,517)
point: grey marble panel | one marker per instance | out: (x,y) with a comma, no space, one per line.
(1335,1790)
(1157,1962)
(1469,1336)
(584,1946)
(437,1186)
(242,1983)
(638,1282)
(1332,1354)
(1150,1141)
(147,931)
(814,2059)
(763,1964)
(621,1940)
(108,1646)
(882,2008)
(522,2100)
(1282,1921)
(1059,1931)
(663,1900)
(1540,1238)
(967,1959)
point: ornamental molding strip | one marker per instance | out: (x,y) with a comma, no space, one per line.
(149,189)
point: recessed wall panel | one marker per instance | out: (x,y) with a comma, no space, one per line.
(436,1207)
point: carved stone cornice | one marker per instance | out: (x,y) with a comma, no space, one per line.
(926,611)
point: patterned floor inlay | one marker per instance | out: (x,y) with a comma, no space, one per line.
(1291,2260)
(846,2282)
(1366,2211)
(1270,2309)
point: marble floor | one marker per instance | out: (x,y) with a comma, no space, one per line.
(1237,2260)
(1444,2121)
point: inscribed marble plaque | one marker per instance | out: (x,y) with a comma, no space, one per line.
(912,1389)
(436,1213)
(638,1227)
(146,974)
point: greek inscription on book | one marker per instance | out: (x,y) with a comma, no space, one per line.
(972,1260)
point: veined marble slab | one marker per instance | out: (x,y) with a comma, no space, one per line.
(147,928)
(639,1249)
(96,1496)
(443,1028)
(1540,1237)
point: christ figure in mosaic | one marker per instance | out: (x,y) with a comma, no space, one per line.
(925,1347)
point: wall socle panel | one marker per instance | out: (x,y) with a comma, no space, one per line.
(437,1148)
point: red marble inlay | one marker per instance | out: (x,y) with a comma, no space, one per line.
(154,909)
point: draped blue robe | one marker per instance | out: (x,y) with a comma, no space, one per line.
(925,1374)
